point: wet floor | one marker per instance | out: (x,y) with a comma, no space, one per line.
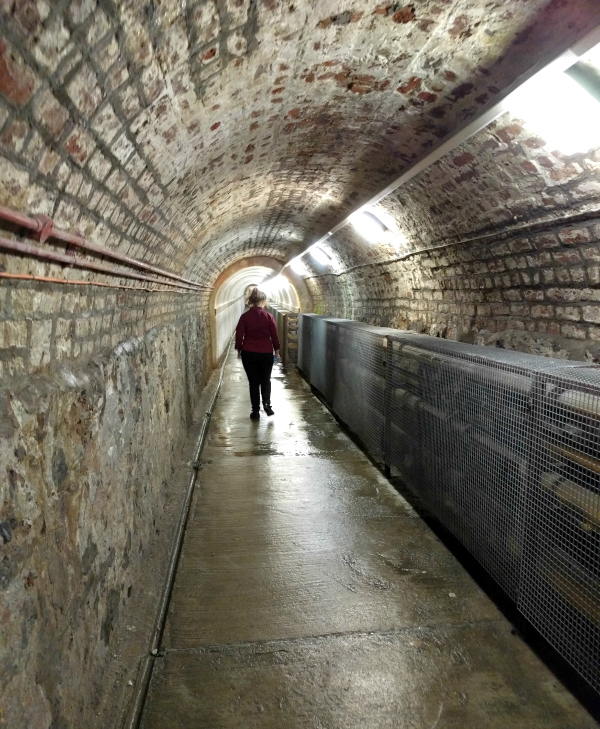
(310,594)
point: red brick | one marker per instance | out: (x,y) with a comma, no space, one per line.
(17,81)
(545,241)
(575,236)
(509,132)
(413,83)
(545,312)
(404,15)
(463,159)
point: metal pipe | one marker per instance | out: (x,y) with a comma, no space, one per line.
(12,216)
(136,707)
(27,249)
(44,227)
(76,282)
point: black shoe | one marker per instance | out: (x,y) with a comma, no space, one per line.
(268,410)
(255,415)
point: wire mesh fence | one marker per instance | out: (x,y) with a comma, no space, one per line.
(324,355)
(360,383)
(560,586)
(503,447)
(305,322)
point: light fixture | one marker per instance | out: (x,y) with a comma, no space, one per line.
(369,226)
(298,266)
(274,285)
(561,111)
(320,255)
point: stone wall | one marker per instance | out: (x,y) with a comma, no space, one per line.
(41,324)
(86,451)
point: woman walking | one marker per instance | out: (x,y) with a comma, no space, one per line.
(255,339)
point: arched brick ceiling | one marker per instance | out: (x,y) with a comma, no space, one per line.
(234,128)
(238,282)
(332,101)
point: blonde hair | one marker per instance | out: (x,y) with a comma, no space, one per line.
(256,297)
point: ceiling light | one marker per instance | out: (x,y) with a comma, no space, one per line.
(319,255)
(369,226)
(565,115)
(298,266)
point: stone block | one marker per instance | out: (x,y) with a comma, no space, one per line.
(50,113)
(573,331)
(40,337)
(570,313)
(533,295)
(542,312)
(84,91)
(591,314)
(14,334)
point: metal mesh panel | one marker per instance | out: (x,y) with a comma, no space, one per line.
(287,328)
(323,355)
(359,390)
(560,592)
(458,430)
(504,447)
(281,330)
(304,342)
(291,344)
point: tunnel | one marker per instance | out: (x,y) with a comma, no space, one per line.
(412,540)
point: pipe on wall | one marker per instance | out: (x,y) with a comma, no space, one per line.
(26,249)
(79,282)
(43,227)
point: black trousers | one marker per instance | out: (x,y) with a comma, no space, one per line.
(258,366)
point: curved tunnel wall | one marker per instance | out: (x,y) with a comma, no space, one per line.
(230,299)
(526,275)
(193,139)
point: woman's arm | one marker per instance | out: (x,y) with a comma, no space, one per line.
(240,332)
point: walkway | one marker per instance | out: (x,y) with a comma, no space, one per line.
(310,594)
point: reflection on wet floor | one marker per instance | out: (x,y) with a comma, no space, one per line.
(310,594)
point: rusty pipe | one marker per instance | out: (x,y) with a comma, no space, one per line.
(27,249)
(43,226)
(78,282)
(14,217)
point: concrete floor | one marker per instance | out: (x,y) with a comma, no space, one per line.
(310,594)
